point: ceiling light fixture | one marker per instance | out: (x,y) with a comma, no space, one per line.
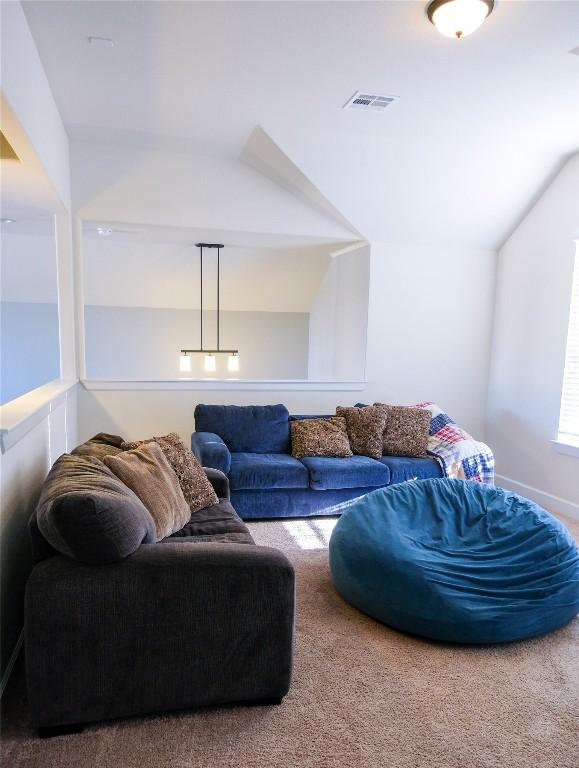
(104,231)
(210,361)
(458,18)
(8,221)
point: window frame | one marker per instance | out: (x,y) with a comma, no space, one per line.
(568,442)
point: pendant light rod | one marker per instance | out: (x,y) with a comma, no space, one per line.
(233,353)
(201,246)
(218,255)
(201,297)
(210,351)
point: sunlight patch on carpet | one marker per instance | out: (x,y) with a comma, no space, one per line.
(311,534)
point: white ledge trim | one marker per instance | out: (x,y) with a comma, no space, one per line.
(568,448)
(276,385)
(21,415)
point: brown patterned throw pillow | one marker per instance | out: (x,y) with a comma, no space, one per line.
(365,429)
(149,475)
(197,489)
(319,437)
(406,431)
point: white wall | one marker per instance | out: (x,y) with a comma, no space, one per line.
(23,468)
(32,123)
(430,308)
(531,321)
(429,329)
(429,332)
(144,343)
(121,184)
(339,318)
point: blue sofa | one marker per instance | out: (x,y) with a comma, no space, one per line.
(251,445)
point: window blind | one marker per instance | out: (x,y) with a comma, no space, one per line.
(569,416)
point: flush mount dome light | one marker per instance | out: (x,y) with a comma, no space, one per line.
(458,18)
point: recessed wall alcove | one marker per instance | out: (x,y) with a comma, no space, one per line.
(294,306)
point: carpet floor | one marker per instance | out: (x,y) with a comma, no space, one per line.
(363,696)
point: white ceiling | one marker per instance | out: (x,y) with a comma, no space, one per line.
(480,127)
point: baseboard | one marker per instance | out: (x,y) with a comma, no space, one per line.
(551,503)
(11,662)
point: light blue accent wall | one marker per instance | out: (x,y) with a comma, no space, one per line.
(30,355)
(144,342)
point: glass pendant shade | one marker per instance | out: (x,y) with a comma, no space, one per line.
(210,363)
(184,363)
(458,18)
(233,363)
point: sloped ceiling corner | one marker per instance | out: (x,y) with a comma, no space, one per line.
(263,154)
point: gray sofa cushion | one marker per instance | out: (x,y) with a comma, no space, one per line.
(216,521)
(266,470)
(87,513)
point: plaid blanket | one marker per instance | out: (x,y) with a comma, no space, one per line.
(460,455)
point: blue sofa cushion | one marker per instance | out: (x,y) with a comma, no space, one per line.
(266,470)
(306,416)
(353,472)
(247,428)
(404,468)
(263,504)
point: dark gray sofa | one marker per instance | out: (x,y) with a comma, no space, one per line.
(204,617)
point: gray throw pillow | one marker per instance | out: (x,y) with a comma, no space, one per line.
(87,513)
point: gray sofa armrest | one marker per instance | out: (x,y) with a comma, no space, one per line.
(219,481)
(173,626)
(211,451)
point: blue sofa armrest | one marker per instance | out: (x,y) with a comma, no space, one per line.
(211,451)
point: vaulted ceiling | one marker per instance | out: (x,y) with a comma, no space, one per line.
(480,127)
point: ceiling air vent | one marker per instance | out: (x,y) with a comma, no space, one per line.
(365,100)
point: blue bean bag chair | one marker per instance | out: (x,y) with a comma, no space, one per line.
(457,561)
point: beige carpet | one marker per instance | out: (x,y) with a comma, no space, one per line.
(363,696)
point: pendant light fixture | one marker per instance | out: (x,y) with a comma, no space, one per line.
(210,359)
(184,362)
(458,18)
